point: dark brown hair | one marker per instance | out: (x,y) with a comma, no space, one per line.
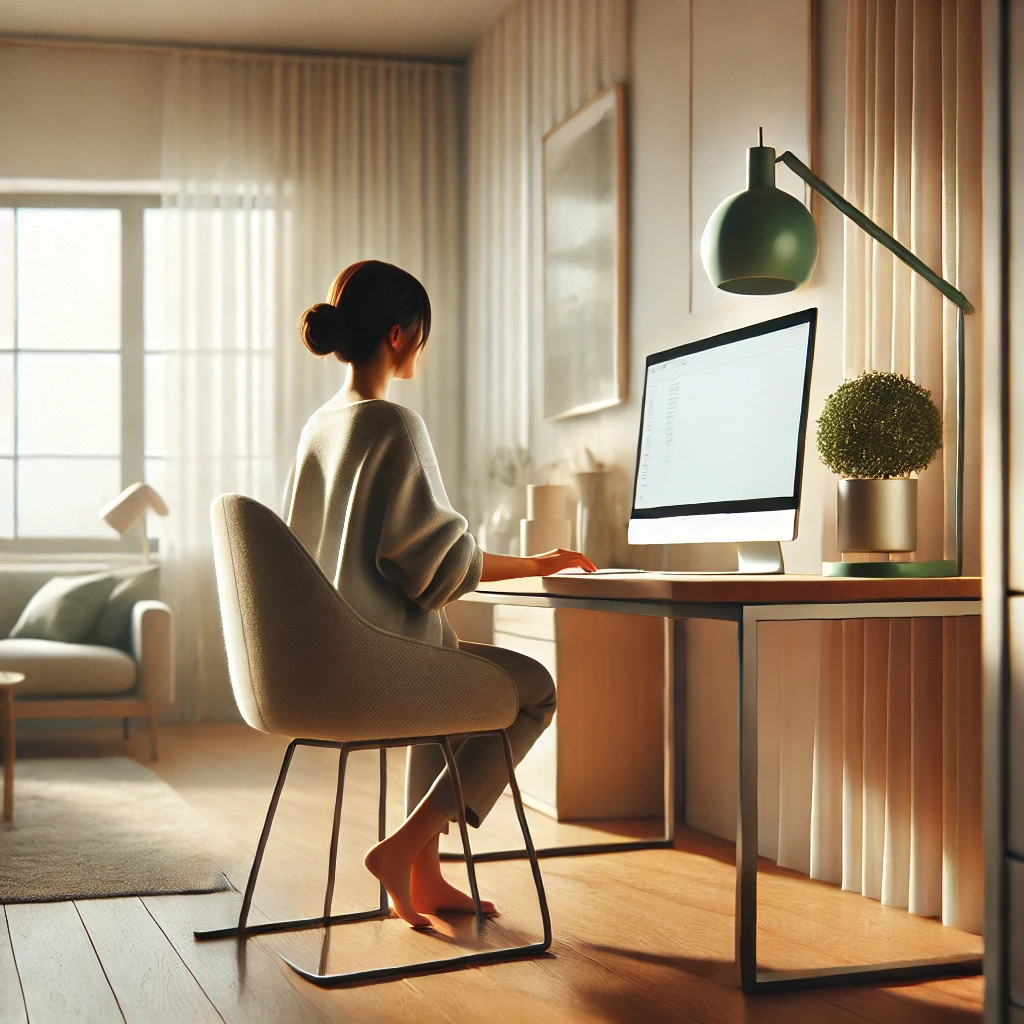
(366,300)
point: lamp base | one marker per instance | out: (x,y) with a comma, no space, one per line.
(891,570)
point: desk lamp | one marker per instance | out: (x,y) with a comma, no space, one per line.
(129,509)
(763,241)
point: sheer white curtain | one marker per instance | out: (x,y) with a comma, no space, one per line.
(541,62)
(281,171)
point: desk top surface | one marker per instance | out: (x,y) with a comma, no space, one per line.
(735,589)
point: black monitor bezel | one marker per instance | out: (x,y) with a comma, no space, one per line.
(782,503)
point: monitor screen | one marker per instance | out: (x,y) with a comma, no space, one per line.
(723,422)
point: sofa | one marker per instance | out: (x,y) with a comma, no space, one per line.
(86,680)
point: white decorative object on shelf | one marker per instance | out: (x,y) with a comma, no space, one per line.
(545,501)
(539,535)
(546,525)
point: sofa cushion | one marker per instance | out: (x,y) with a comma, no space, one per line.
(113,628)
(54,669)
(64,608)
(20,580)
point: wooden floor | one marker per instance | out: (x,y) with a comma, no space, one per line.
(638,936)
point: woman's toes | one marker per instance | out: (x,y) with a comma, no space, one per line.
(433,895)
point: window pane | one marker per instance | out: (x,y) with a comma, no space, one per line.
(6,278)
(6,404)
(62,497)
(69,279)
(6,498)
(155,374)
(154,240)
(69,404)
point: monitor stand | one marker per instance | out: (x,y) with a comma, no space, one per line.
(753,558)
(760,556)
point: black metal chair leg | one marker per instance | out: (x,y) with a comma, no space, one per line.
(460,810)
(517,799)
(327,920)
(272,927)
(261,846)
(382,816)
(332,863)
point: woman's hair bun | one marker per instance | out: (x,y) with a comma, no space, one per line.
(321,329)
(366,300)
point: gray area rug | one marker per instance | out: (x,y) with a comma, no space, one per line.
(93,827)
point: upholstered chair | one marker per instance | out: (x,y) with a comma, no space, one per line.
(305,665)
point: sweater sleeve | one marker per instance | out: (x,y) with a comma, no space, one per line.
(424,547)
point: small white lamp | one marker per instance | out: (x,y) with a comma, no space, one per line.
(129,509)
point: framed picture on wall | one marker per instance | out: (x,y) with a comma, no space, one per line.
(585,259)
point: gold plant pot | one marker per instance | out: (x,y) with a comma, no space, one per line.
(877,515)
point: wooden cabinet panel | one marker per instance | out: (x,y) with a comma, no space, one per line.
(472,621)
(611,672)
(1015,922)
(602,756)
(1015,748)
(537,623)
(537,773)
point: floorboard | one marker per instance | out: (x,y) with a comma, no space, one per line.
(60,973)
(638,936)
(150,981)
(12,1002)
(245,982)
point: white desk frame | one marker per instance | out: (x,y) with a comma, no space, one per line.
(747,616)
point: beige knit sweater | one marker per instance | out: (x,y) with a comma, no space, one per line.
(368,503)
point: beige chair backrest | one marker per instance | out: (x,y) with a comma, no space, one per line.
(303,663)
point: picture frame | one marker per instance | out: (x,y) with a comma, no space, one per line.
(585,259)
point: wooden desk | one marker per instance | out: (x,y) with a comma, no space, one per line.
(747,601)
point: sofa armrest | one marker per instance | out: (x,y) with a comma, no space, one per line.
(153,648)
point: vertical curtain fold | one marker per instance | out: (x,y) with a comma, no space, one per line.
(278,172)
(910,739)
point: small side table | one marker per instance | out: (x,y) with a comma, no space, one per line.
(8,681)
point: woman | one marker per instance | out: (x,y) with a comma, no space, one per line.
(368,502)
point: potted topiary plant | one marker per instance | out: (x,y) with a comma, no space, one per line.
(875,431)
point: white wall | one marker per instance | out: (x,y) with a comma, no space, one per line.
(670,300)
(72,114)
(703,75)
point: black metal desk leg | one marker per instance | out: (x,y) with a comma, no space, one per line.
(746,824)
(669,737)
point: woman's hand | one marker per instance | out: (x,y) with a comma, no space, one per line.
(555,561)
(508,567)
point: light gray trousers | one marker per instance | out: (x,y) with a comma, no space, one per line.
(480,759)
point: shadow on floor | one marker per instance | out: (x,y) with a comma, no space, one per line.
(672,979)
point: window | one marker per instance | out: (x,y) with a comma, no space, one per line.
(71,358)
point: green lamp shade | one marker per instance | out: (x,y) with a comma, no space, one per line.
(762,241)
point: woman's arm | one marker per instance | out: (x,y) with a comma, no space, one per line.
(509,567)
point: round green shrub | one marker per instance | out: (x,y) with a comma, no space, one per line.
(879,425)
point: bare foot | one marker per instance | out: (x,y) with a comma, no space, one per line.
(388,863)
(431,894)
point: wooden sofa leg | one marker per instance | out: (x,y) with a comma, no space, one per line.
(154,719)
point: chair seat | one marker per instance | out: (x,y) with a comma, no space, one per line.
(55,669)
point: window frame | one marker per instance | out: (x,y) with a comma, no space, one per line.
(132,207)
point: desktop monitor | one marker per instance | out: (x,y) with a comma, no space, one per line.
(721,448)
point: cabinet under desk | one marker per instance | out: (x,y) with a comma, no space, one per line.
(602,756)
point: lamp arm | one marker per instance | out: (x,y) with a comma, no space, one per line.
(901,252)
